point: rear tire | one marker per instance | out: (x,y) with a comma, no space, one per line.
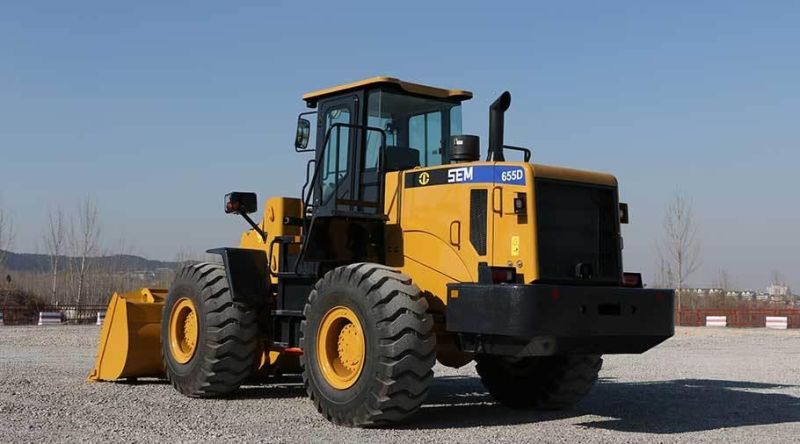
(539,382)
(226,339)
(399,348)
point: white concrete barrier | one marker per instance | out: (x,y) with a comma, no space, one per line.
(50,318)
(1,318)
(716,321)
(101,316)
(778,322)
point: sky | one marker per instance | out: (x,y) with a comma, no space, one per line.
(156,109)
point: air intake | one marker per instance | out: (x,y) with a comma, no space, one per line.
(465,148)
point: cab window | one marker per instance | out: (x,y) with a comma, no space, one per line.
(425,136)
(337,148)
(417,127)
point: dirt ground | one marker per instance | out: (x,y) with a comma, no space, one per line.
(702,385)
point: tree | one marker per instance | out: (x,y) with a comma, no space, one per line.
(663,278)
(724,280)
(6,239)
(679,248)
(85,238)
(54,239)
(186,256)
(6,234)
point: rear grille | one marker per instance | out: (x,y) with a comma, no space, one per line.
(578,224)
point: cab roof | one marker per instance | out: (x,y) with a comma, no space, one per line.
(412,88)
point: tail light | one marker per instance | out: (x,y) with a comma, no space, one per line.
(632,280)
(503,275)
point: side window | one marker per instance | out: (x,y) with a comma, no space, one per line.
(425,135)
(374,140)
(455,121)
(337,149)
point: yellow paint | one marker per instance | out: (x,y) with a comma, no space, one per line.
(515,235)
(341,347)
(573,175)
(413,88)
(422,224)
(428,233)
(273,362)
(424,221)
(275,210)
(130,339)
(183,330)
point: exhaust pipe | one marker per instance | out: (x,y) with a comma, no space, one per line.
(496,123)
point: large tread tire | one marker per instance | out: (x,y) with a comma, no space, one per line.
(399,343)
(228,333)
(540,382)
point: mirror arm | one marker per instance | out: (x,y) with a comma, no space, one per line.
(255,226)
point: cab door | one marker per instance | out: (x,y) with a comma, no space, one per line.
(336,153)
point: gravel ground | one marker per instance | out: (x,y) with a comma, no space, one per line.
(702,385)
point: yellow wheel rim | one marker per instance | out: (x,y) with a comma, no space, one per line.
(183,330)
(340,347)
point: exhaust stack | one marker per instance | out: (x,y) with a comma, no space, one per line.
(496,122)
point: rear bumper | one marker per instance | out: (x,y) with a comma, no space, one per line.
(539,319)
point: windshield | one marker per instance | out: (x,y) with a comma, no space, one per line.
(412,123)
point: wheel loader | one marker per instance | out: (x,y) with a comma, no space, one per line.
(403,248)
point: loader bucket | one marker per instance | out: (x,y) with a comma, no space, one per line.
(130,339)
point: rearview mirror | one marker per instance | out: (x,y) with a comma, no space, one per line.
(303,134)
(623,213)
(241,203)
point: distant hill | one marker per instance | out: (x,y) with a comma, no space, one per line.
(41,262)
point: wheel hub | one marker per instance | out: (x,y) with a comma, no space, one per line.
(348,347)
(341,347)
(183,330)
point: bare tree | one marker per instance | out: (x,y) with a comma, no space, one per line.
(723,280)
(186,256)
(663,278)
(54,239)
(6,234)
(113,273)
(679,248)
(85,240)
(6,240)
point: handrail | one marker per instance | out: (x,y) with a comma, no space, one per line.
(308,174)
(526,152)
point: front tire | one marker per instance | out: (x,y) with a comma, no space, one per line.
(209,342)
(368,346)
(539,382)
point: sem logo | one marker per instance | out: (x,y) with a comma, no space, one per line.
(462,174)
(424,178)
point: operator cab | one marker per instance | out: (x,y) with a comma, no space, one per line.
(364,130)
(367,128)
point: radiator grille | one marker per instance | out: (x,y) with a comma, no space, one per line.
(577,224)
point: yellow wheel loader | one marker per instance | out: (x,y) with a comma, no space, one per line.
(403,248)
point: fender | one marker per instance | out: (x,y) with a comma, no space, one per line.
(247,272)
